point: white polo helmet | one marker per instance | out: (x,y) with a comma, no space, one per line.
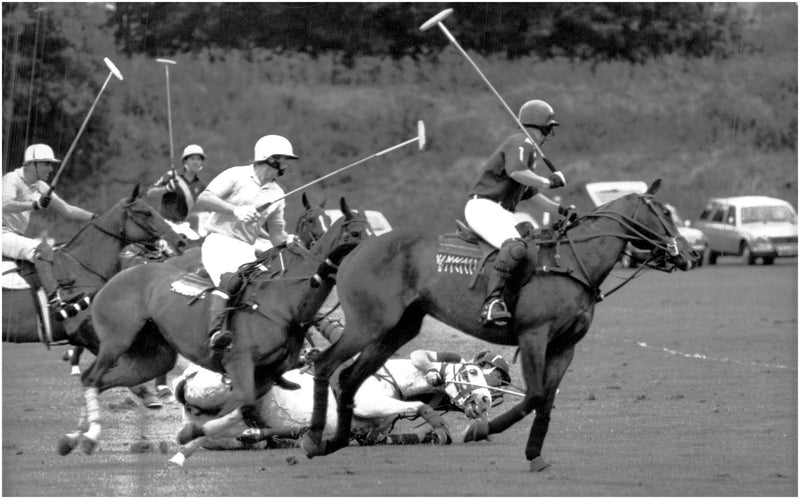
(39,152)
(191,150)
(273,145)
(537,113)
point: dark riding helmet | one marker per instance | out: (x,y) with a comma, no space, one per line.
(486,358)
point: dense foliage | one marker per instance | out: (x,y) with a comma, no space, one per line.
(634,32)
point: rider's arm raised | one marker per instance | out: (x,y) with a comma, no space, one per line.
(69,211)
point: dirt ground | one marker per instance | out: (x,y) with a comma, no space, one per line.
(686,385)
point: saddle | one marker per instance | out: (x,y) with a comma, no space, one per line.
(466,252)
(197,284)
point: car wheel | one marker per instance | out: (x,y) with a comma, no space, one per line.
(769,260)
(712,257)
(747,254)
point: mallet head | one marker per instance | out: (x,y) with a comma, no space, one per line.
(421,134)
(166,61)
(113,68)
(433,21)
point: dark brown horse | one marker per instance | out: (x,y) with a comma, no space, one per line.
(311,225)
(83,265)
(142,324)
(390,283)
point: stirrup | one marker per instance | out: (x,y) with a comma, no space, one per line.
(492,317)
(220,341)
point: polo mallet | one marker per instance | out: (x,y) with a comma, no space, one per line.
(166,63)
(437,21)
(419,138)
(113,71)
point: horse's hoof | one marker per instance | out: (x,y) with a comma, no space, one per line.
(477,431)
(539,464)
(66,444)
(188,433)
(176,461)
(88,445)
(312,447)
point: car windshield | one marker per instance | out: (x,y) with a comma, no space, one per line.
(768,214)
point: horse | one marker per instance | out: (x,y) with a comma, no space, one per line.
(309,228)
(393,393)
(143,322)
(390,283)
(82,266)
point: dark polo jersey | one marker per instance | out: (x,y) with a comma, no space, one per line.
(494,182)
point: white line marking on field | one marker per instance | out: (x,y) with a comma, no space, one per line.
(701,356)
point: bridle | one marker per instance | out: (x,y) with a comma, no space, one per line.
(665,246)
(306,226)
(465,389)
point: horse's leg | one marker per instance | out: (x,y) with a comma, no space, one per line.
(557,365)
(533,351)
(185,452)
(371,358)
(74,357)
(368,406)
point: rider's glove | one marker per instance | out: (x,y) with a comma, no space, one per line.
(433,377)
(172,185)
(290,238)
(245,214)
(42,203)
(557,180)
(568,212)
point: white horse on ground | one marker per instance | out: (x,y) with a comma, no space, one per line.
(379,402)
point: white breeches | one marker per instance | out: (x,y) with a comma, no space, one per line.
(493,222)
(223,254)
(19,247)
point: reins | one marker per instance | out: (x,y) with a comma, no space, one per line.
(640,233)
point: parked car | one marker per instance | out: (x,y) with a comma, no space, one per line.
(603,192)
(377,221)
(750,226)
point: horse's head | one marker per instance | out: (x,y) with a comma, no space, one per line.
(653,229)
(134,221)
(466,386)
(313,223)
(338,241)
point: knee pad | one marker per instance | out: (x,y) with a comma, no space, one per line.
(44,252)
(517,248)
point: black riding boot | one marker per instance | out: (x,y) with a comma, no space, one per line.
(220,337)
(495,312)
(43,261)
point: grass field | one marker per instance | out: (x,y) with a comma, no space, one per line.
(686,385)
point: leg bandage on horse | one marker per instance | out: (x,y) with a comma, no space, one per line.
(511,254)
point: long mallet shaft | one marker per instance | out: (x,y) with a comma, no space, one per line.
(419,138)
(166,63)
(437,21)
(465,383)
(113,71)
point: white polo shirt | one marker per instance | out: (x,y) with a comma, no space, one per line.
(16,189)
(240,186)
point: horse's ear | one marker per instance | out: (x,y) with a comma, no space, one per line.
(136,192)
(306,204)
(654,187)
(348,214)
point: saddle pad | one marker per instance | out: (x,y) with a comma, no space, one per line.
(192,284)
(11,278)
(457,256)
